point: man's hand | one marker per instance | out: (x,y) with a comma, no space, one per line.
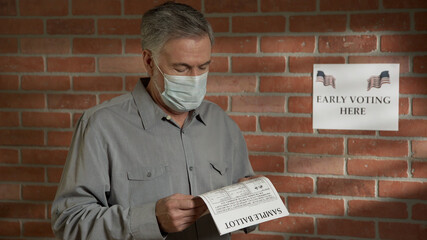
(248,178)
(177,212)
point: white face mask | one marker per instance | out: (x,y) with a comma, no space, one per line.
(183,93)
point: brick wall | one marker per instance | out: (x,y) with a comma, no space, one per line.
(60,57)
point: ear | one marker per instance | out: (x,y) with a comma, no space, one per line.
(147,59)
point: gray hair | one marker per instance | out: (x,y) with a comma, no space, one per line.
(169,21)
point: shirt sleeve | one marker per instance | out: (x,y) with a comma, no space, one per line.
(81,209)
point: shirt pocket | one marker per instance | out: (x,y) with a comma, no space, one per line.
(218,175)
(148,183)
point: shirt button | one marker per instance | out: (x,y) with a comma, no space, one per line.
(168,117)
(149,174)
(191,168)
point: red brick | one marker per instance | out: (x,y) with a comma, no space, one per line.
(404,43)
(71,64)
(316,145)
(286,84)
(76,117)
(54,174)
(261,143)
(56,138)
(8,155)
(38,229)
(346,187)
(9,82)
(420,64)
(9,119)
(405,190)
(288,5)
(235,45)
(253,24)
(409,128)
(139,7)
(346,227)
(377,209)
(38,192)
(21,174)
(22,100)
(219,24)
(262,163)
(219,64)
(46,119)
(258,64)
(286,124)
(289,224)
(97,7)
(413,85)
(45,45)
(22,210)
(377,147)
(287,184)
(21,64)
(403,106)
(419,169)
(305,64)
(420,21)
(380,22)
(318,23)
(419,211)
(119,26)
(253,236)
(300,104)
(97,46)
(245,123)
(71,101)
(121,65)
(419,149)
(399,230)
(43,7)
(44,156)
(10,228)
(404,4)
(225,6)
(350,44)
(377,168)
(402,60)
(43,83)
(98,83)
(310,205)
(106,97)
(290,44)
(8,45)
(221,101)
(346,132)
(7,8)
(258,104)
(20,137)
(131,82)
(316,165)
(348,5)
(222,84)
(133,46)
(9,192)
(70,26)
(21,26)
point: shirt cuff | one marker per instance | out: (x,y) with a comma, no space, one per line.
(143,222)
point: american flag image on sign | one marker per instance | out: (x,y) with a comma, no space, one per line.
(325,79)
(377,81)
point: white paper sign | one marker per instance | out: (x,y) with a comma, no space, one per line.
(356,96)
(244,204)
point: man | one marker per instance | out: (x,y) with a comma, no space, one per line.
(137,162)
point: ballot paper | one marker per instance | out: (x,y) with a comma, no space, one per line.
(244,204)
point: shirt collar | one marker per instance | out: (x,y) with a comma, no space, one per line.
(149,112)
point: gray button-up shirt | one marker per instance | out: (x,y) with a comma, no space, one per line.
(127,153)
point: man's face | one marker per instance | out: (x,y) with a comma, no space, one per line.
(183,57)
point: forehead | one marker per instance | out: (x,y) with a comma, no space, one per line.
(193,51)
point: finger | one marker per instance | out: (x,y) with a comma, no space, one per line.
(180,196)
(198,201)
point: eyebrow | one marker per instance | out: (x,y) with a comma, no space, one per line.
(188,66)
